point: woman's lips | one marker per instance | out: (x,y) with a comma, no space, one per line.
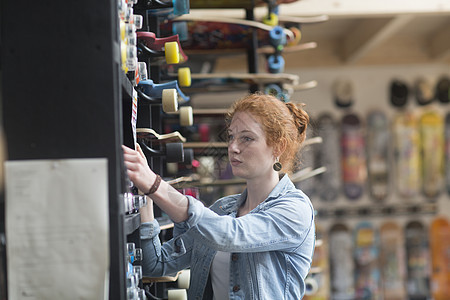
(235,162)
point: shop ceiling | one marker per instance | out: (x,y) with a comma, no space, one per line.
(361,32)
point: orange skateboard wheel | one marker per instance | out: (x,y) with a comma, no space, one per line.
(297,36)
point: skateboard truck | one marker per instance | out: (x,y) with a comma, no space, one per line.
(170,45)
(155,90)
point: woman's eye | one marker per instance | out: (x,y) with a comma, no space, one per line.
(247,139)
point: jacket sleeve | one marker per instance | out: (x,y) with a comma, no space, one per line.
(163,260)
(283,224)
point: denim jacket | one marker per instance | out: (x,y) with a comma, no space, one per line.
(271,247)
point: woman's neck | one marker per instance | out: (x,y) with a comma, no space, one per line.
(257,191)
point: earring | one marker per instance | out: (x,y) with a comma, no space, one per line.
(277,166)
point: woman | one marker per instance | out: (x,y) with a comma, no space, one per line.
(255,245)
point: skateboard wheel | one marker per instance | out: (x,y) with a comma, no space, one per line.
(186,116)
(184,76)
(274,90)
(185,276)
(169,100)
(188,156)
(275,63)
(277,36)
(177,294)
(297,36)
(399,93)
(311,286)
(172,52)
(271,19)
(123,56)
(174,152)
(443,89)
(343,93)
(180,7)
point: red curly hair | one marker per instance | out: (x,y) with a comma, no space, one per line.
(283,123)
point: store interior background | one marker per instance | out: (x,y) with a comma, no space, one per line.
(369,43)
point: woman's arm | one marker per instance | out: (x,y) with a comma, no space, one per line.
(172,202)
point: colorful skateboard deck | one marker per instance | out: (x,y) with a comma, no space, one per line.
(417,260)
(447,152)
(342,274)
(328,155)
(432,137)
(440,258)
(378,140)
(353,156)
(228,33)
(392,261)
(367,272)
(321,264)
(407,152)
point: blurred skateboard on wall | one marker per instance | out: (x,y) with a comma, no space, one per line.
(320,265)
(407,154)
(432,141)
(353,156)
(342,276)
(378,139)
(417,261)
(328,155)
(440,258)
(392,261)
(367,272)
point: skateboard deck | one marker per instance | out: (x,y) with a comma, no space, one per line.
(353,156)
(377,155)
(228,33)
(341,262)
(423,91)
(447,152)
(149,133)
(367,273)
(417,261)
(308,185)
(321,264)
(392,261)
(328,155)
(432,138)
(440,258)
(406,144)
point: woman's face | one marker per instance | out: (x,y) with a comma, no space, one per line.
(248,152)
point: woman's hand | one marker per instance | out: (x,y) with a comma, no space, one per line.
(137,168)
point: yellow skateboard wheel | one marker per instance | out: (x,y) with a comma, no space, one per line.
(184,76)
(271,20)
(176,294)
(169,100)
(123,56)
(297,36)
(186,116)
(172,52)
(183,279)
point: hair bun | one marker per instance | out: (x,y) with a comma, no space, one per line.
(301,117)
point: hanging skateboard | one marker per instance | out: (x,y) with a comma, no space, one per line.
(447,152)
(378,140)
(407,154)
(392,261)
(442,89)
(341,262)
(353,156)
(417,261)
(308,186)
(432,138)
(328,155)
(440,258)
(423,91)
(367,273)
(399,93)
(320,265)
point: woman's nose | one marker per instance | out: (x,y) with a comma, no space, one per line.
(233,146)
